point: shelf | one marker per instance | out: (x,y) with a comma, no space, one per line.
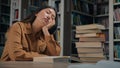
(15,20)
(102,15)
(116,4)
(34,7)
(117,59)
(116,21)
(58,13)
(5,23)
(106,41)
(89,2)
(2,33)
(58,27)
(5,5)
(103,3)
(56,0)
(5,14)
(116,40)
(79,12)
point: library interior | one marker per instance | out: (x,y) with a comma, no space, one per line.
(87,32)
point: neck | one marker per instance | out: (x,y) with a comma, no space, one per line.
(34,28)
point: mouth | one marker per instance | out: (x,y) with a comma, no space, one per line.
(46,20)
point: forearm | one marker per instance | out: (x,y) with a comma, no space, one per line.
(22,55)
(53,48)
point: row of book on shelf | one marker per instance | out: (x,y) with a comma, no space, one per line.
(117,51)
(117,32)
(116,17)
(78,19)
(102,9)
(82,6)
(117,14)
(87,7)
(91,43)
(104,21)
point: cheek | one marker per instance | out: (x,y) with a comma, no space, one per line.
(54,22)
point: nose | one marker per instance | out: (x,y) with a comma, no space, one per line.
(48,17)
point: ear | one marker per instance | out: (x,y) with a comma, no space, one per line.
(36,14)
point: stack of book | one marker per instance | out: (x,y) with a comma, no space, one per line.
(91,42)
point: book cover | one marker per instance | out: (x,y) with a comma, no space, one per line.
(90,26)
(90,35)
(91,59)
(89,50)
(52,59)
(91,54)
(90,39)
(88,31)
(88,44)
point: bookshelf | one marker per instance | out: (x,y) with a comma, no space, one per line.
(15,11)
(114,19)
(76,12)
(82,12)
(101,16)
(4,21)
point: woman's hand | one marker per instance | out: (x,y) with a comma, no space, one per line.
(47,27)
(45,31)
(50,24)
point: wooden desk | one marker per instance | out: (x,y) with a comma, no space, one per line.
(30,64)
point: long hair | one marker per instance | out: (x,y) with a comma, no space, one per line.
(30,19)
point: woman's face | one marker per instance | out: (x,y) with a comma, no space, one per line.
(45,17)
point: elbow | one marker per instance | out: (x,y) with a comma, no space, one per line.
(56,53)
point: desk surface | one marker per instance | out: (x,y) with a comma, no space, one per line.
(30,64)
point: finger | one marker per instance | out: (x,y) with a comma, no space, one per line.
(51,24)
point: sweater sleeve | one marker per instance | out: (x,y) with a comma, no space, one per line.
(53,48)
(14,47)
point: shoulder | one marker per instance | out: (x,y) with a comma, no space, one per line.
(17,26)
(14,28)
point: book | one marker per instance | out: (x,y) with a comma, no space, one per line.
(89,50)
(89,31)
(90,35)
(73,58)
(90,39)
(52,59)
(88,44)
(91,54)
(91,59)
(90,26)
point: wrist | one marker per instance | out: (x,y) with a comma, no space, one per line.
(45,31)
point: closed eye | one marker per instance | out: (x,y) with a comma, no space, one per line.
(48,12)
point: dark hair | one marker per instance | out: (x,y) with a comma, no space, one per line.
(30,19)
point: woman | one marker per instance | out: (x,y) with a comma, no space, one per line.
(32,37)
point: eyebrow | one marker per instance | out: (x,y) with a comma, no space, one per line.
(51,12)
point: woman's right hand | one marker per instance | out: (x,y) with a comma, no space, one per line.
(45,31)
